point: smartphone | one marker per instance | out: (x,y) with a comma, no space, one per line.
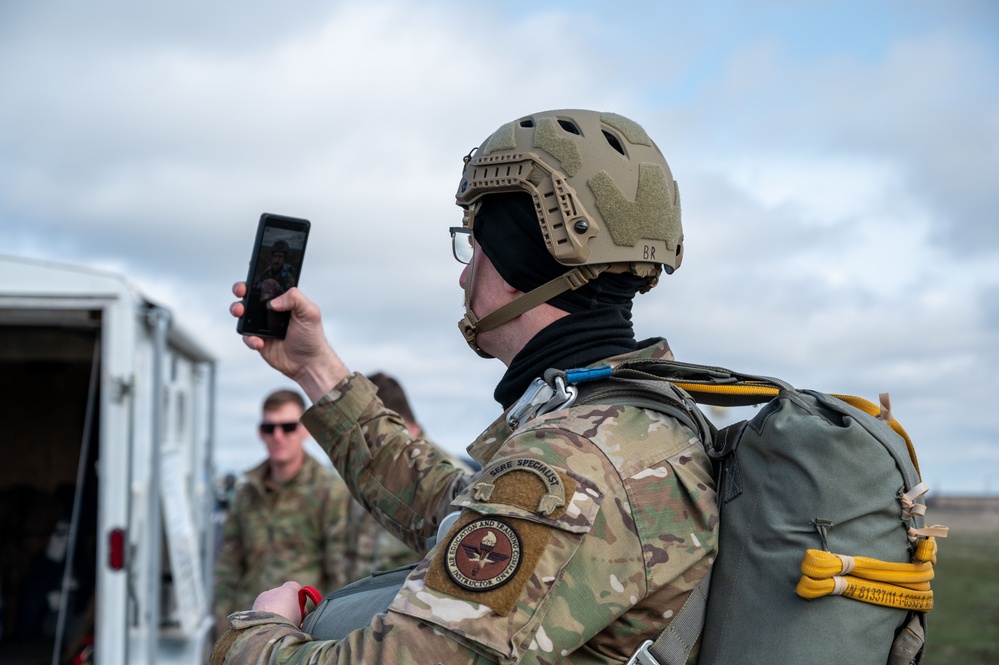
(275,267)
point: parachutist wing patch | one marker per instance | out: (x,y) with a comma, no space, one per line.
(490,554)
(488,559)
(485,554)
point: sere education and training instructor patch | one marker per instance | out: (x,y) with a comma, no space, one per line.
(484,554)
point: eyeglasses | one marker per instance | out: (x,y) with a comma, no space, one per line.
(287,428)
(461,244)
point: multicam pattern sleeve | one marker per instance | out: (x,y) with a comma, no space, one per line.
(406,483)
(581,538)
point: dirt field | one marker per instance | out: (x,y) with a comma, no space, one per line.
(965,514)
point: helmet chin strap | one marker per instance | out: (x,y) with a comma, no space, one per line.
(470,325)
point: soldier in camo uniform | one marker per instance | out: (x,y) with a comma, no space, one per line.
(293,518)
(588,526)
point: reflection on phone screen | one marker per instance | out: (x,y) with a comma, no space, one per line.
(273,270)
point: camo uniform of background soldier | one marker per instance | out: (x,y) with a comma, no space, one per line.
(589,525)
(279,276)
(294,518)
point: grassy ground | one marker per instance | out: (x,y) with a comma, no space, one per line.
(963,628)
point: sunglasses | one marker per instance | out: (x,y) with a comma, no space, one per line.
(287,428)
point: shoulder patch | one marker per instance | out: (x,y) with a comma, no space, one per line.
(485,554)
(552,498)
(488,560)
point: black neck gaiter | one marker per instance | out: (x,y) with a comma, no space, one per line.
(577,340)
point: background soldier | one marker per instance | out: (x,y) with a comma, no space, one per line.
(392,395)
(279,276)
(294,518)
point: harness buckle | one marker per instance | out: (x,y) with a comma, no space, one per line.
(540,398)
(642,655)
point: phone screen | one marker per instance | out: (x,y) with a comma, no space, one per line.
(275,267)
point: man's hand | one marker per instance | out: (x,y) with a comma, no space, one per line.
(282,600)
(303,355)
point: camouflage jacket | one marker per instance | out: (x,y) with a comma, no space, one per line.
(309,530)
(284,276)
(583,534)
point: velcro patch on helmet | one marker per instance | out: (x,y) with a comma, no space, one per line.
(553,140)
(628,127)
(654,214)
(504,138)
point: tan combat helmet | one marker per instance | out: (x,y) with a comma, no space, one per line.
(603,192)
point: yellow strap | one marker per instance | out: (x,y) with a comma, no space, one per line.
(879,411)
(876,411)
(865,591)
(818,565)
(926,550)
(728,389)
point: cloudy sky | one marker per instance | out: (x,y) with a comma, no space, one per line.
(837,163)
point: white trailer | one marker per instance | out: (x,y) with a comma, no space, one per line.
(107,502)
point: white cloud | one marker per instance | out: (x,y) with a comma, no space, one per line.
(837,189)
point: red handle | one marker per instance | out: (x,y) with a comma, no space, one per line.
(308,593)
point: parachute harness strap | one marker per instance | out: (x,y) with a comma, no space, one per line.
(866,591)
(823,565)
(556,390)
(885,583)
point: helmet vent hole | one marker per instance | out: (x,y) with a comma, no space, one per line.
(569,127)
(527,123)
(614,143)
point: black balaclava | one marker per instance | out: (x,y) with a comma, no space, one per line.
(599,322)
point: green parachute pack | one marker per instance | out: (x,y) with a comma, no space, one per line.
(823,555)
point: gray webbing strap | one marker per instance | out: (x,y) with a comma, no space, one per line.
(673,645)
(675,642)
